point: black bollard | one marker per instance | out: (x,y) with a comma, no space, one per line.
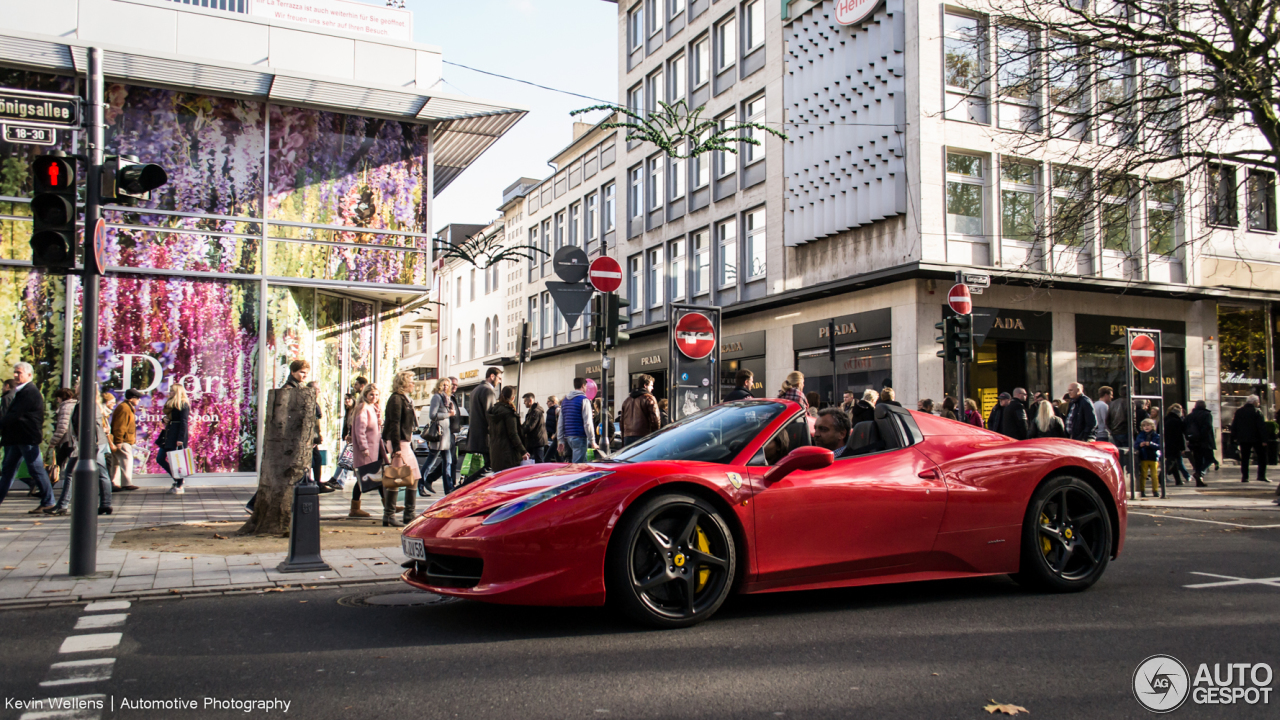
(304,532)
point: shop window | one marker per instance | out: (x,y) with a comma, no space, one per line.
(1242,353)
(701,263)
(753,14)
(755,114)
(1070,205)
(1018,200)
(964,194)
(1262,200)
(755,244)
(1162,207)
(701,61)
(963,55)
(727,239)
(677,269)
(656,276)
(1116,220)
(726,44)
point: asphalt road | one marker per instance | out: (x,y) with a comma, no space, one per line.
(923,650)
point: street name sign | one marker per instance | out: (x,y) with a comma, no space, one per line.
(35,108)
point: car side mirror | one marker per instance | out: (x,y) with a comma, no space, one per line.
(809,457)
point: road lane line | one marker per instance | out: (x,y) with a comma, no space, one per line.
(105,605)
(1202,520)
(90,643)
(98,622)
(74,672)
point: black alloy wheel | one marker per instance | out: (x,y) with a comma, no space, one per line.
(671,561)
(1066,543)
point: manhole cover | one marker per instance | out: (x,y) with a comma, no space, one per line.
(397,598)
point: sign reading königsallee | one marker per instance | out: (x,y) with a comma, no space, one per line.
(39,108)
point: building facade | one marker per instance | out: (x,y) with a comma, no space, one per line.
(302,169)
(896,174)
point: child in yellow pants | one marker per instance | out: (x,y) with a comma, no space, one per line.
(1147,445)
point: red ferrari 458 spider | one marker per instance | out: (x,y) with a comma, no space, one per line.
(737,498)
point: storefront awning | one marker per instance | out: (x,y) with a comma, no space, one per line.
(464,126)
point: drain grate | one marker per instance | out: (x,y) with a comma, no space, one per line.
(396,598)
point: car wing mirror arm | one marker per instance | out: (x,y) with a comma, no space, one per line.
(809,457)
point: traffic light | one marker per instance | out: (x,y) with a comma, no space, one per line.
(125,176)
(962,337)
(53,212)
(944,339)
(596,326)
(524,342)
(614,318)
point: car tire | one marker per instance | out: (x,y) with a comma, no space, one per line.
(670,592)
(1066,537)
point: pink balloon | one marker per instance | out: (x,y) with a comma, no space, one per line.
(589,389)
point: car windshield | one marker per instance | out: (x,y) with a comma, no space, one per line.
(714,435)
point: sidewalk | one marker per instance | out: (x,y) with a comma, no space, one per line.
(34,551)
(1225,492)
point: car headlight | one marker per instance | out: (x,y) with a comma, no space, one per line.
(515,507)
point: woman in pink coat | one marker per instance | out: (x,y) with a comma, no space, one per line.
(366,441)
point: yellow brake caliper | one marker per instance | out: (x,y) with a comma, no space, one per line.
(704,545)
(1044,541)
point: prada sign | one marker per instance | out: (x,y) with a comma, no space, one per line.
(1108,330)
(1000,324)
(858,327)
(647,361)
(736,347)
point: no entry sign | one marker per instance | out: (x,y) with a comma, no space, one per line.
(695,336)
(605,274)
(1142,351)
(959,299)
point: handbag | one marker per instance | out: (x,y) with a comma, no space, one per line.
(397,473)
(434,434)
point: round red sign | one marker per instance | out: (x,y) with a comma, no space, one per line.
(605,274)
(695,336)
(1142,351)
(959,299)
(849,12)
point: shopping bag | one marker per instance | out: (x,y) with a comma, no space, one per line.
(591,454)
(528,461)
(471,464)
(324,457)
(182,462)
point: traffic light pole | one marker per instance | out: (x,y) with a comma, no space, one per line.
(84,506)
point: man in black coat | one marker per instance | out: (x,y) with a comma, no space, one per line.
(482,398)
(1013,419)
(21,432)
(1200,440)
(1082,424)
(533,431)
(550,453)
(742,386)
(995,420)
(865,409)
(1249,433)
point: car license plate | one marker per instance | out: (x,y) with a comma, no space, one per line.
(413,548)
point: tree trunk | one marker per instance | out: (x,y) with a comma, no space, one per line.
(289,432)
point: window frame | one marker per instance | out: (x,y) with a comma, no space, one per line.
(609,209)
(590,218)
(676,178)
(1155,204)
(726,45)
(700,63)
(655,190)
(575,221)
(754,153)
(1225,192)
(961,179)
(677,71)
(1069,194)
(676,263)
(635,28)
(981,42)
(635,282)
(726,162)
(1268,187)
(727,250)
(753,235)
(656,267)
(1010,186)
(635,201)
(752,18)
(701,265)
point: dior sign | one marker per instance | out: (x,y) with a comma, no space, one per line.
(195,385)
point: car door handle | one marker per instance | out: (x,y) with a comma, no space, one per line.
(928,475)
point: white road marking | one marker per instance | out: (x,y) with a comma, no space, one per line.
(65,708)
(98,622)
(73,672)
(1200,520)
(1232,580)
(90,643)
(105,605)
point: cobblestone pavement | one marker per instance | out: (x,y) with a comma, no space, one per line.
(34,551)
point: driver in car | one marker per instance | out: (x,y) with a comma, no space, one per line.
(831,431)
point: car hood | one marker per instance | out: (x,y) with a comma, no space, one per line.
(508,485)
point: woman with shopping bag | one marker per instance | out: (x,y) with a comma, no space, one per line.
(440,435)
(505,447)
(397,436)
(366,447)
(174,455)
